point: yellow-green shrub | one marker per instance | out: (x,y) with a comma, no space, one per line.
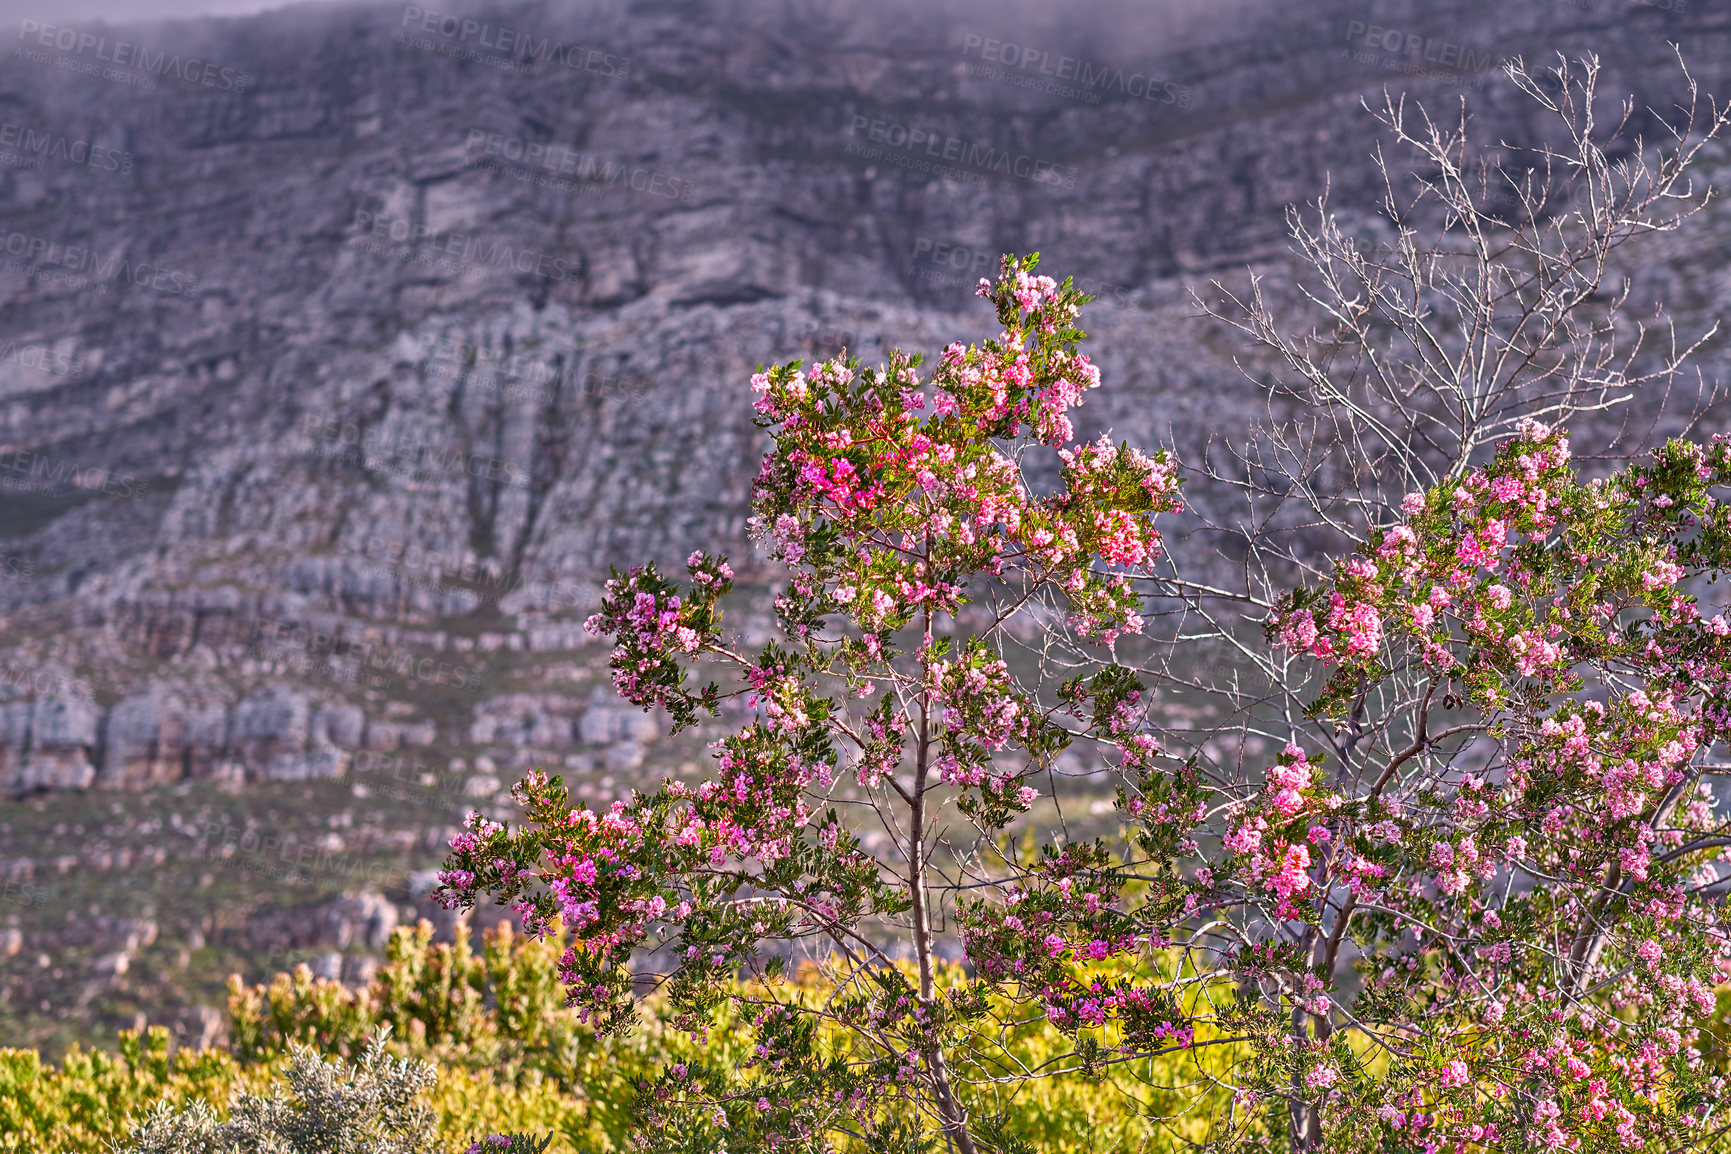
(512,1058)
(94,1097)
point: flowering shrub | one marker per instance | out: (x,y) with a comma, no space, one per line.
(1519,864)
(897,501)
(95,1098)
(1528,877)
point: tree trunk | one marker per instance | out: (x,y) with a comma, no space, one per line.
(1305,1117)
(955,1119)
(1304,1130)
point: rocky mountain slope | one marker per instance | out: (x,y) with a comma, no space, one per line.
(392,326)
(342,350)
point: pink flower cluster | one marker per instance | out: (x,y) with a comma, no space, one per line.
(1263,834)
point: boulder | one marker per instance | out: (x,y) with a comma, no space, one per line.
(312,765)
(60,723)
(383,735)
(267,735)
(339,724)
(423,732)
(145,741)
(203,738)
(605,724)
(364,918)
(14,742)
(61,735)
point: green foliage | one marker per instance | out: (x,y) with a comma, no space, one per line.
(511,1144)
(494,1010)
(372,1107)
(492,1021)
(93,1096)
(511,1061)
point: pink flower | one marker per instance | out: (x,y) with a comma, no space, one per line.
(1663,575)
(1360,622)
(1121,539)
(1246,838)
(1299,633)
(1294,875)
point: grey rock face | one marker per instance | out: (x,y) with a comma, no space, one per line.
(360,920)
(205,732)
(48,744)
(270,732)
(521,719)
(607,722)
(390,375)
(155,737)
(134,742)
(64,724)
(338,725)
(14,740)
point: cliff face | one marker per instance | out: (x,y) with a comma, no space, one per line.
(343,350)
